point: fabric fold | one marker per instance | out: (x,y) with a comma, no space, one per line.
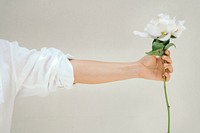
(45,71)
(1,90)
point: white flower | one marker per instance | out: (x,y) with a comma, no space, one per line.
(162,28)
(180,28)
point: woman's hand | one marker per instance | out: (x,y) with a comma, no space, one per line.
(152,67)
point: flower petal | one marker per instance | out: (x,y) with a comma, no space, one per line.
(141,34)
(162,16)
(165,38)
(153,30)
(180,29)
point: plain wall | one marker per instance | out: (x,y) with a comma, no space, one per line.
(102,30)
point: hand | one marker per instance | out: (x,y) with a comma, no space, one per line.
(152,67)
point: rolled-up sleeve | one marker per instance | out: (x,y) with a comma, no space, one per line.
(39,72)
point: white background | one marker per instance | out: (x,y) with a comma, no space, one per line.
(102,30)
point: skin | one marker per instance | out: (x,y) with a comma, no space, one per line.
(95,72)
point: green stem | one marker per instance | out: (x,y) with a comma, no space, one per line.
(166,98)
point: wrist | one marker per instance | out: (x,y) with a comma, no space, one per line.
(140,69)
(136,69)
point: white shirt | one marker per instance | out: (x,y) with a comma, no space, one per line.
(25,72)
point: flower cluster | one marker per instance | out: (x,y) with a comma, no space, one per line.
(162,28)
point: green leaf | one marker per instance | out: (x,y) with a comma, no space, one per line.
(157,45)
(166,42)
(158,52)
(169,45)
(172,36)
(157,40)
(154,41)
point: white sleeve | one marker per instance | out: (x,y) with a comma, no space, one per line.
(41,72)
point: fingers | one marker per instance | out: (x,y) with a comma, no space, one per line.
(167,75)
(167,58)
(167,52)
(168,71)
(168,68)
(168,65)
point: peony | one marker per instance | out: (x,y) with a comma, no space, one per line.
(162,28)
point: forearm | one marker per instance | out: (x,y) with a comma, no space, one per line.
(94,72)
